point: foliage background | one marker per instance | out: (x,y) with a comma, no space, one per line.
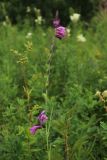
(16,9)
(76,128)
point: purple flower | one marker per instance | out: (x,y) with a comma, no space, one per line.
(35,128)
(42,117)
(60,32)
(56,22)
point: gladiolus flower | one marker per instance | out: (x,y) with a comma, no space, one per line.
(42,117)
(60,32)
(56,22)
(34,129)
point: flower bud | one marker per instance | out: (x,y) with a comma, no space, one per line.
(60,32)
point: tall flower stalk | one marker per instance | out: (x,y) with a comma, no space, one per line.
(52,50)
(49,65)
(60,32)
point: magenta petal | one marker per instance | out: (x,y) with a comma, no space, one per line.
(56,22)
(34,129)
(42,117)
(60,32)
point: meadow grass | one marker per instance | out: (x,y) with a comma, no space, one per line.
(76,128)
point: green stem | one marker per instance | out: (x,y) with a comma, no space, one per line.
(47,135)
(47,84)
(49,65)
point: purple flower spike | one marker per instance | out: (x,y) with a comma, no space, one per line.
(42,117)
(60,32)
(34,129)
(56,22)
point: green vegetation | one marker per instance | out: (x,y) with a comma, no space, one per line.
(77,116)
(19,10)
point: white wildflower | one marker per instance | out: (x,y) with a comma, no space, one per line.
(28,9)
(75,17)
(29,35)
(36,10)
(81,38)
(4,23)
(104,94)
(68,31)
(39,20)
(98,94)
